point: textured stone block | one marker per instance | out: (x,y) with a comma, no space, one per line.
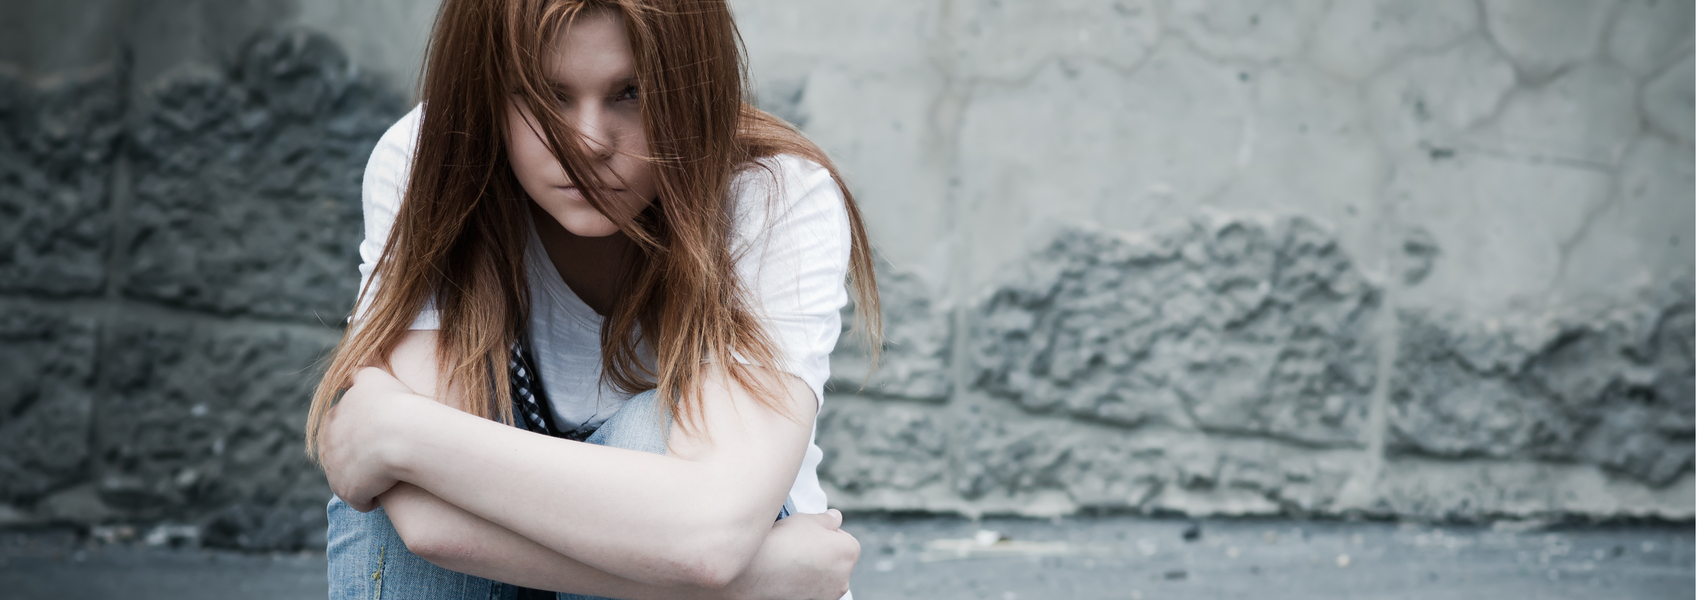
(1356,39)
(1615,390)
(1114,475)
(1544,36)
(914,360)
(247,191)
(1649,33)
(1441,406)
(1250,324)
(205,425)
(895,446)
(56,149)
(1451,490)
(47,365)
(906,456)
(1003,457)
(1668,100)
(1426,101)
(1250,477)
(1008,40)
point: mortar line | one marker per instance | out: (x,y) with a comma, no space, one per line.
(118,192)
(114,310)
(948,113)
(1358,491)
(1387,338)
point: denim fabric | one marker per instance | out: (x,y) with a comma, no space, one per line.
(641,425)
(368,560)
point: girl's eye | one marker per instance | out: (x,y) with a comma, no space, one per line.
(629,93)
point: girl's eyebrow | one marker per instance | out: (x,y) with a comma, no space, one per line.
(616,85)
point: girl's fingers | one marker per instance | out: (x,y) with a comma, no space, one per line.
(831,520)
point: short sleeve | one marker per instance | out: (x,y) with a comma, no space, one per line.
(791,243)
(381,191)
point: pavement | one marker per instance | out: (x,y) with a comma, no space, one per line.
(1126,558)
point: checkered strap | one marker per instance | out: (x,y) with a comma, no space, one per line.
(529,400)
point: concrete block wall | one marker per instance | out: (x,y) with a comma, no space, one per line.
(1405,259)
(180,185)
(1411,259)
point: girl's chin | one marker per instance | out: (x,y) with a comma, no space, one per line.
(579,218)
(594,225)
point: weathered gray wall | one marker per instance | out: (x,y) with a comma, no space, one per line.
(1429,259)
(1303,257)
(179,212)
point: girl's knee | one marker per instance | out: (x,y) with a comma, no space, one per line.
(368,559)
(357,546)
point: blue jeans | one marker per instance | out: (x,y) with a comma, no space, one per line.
(368,560)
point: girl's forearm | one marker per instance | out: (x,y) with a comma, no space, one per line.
(680,522)
(454,539)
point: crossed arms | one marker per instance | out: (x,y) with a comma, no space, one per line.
(486,499)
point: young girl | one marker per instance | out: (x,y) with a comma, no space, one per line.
(586,231)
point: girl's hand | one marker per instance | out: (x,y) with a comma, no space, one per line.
(805,556)
(352,441)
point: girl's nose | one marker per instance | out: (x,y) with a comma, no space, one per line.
(596,133)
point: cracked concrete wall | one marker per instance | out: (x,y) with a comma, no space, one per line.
(1429,259)
(1411,259)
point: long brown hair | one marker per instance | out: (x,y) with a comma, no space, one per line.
(457,237)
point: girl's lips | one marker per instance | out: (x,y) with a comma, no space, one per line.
(572,192)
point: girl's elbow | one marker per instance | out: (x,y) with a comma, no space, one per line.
(432,543)
(433,549)
(715,559)
(703,572)
(711,571)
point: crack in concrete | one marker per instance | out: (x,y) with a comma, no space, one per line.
(1589,220)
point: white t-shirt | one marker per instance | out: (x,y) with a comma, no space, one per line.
(791,243)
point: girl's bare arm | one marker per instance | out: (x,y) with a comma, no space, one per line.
(693,518)
(804,556)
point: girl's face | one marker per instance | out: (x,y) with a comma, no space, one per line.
(594,78)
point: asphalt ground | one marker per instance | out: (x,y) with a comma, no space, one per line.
(1127,558)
